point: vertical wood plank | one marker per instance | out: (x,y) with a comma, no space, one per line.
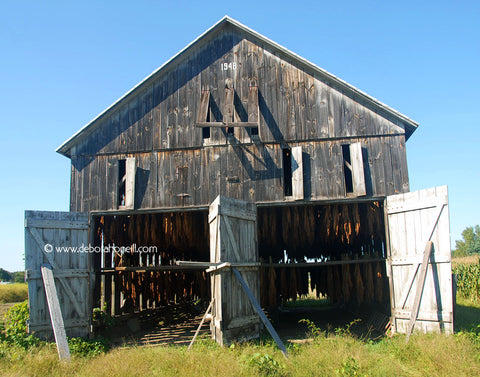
(297,173)
(55,313)
(131,169)
(358,172)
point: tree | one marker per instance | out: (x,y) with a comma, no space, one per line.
(470,244)
(5,275)
(18,277)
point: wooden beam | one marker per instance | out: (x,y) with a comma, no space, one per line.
(204,105)
(226,124)
(419,291)
(55,312)
(229,106)
(260,312)
(253,110)
(56,224)
(200,325)
(326,263)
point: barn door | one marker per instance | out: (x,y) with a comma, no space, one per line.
(233,240)
(60,240)
(419,261)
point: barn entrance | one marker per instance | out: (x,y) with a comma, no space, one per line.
(343,251)
(138,282)
(332,252)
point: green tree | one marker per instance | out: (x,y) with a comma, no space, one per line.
(18,276)
(470,244)
(5,275)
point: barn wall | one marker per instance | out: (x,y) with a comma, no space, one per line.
(176,167)
(253,172)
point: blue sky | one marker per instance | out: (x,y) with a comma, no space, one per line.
(62,63)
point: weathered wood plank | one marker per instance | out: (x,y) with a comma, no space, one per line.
(358,172)
(253,111)
(420,286)
(55,313)
(204,107)
(297,173)
(131,169)
(260,312)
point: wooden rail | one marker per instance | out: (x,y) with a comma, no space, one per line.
(194,266)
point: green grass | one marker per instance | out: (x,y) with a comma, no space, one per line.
(16,292)
(308,302)
(338,354)
(334,355)
(467,314)
(425,355)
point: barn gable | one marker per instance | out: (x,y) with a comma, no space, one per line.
(297,101)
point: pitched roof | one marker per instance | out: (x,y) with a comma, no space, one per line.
(351,91)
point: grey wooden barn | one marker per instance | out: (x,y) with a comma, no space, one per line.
(242,155)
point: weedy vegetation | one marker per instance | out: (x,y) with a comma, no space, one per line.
(16,292)
(336,353)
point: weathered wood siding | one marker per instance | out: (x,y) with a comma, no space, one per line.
(248,172)
(157,127)
(413,219)
(47,236)
(233,239)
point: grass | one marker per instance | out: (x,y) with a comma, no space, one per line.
(471,259)
(425,355)
(467,314)
(334,355)
(339,354)
(16,292)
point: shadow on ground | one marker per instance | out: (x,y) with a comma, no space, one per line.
(176,325)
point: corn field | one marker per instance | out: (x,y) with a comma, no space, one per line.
(468,280)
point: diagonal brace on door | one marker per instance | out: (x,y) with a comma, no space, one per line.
(421,283)
(414,271)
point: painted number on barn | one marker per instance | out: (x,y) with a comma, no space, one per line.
(228,66)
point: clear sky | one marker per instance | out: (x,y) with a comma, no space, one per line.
(64,62)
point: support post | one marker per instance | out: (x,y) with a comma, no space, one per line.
(55,312)
(260,312)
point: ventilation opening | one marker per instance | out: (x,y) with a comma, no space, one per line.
(254,131)
(347,169)
(287,171)
(122,177)
(230,131)
(206,132)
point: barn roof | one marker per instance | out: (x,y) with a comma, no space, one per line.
(409,125)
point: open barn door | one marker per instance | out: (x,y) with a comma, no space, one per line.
(233,245)
(58,242)
(419,261)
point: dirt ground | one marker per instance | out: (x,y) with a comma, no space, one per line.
(177,325)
